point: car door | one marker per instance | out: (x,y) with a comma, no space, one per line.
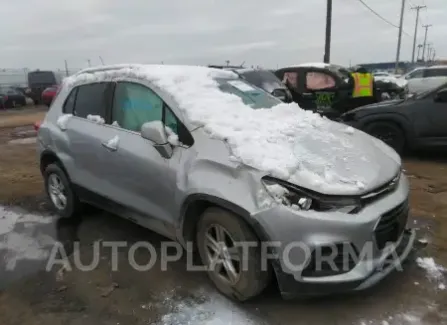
(431,119)
(415,81)
(84,133)
(320,86)
(434,77)
(138,176)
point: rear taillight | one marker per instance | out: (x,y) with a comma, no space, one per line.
(37,125)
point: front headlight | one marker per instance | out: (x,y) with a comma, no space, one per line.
(302,199)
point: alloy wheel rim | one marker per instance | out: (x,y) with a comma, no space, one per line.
(57,192)
(223,255)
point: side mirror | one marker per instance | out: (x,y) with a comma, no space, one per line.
(155,131)
(441,96)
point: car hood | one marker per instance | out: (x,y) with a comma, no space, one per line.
(380,105)
(352,161)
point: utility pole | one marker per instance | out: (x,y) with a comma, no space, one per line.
(429,49)
(66,68)
(434,54)
(399,38)
(425,40)
(419,51)
(89,62)
(417,8)
(327,43)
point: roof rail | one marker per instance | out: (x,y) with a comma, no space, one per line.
(107,68)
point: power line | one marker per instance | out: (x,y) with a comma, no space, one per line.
(381,17)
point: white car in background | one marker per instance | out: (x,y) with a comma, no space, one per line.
(426,78)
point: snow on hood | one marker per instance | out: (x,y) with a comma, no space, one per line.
(284,141)
(401,82)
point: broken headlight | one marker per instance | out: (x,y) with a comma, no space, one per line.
(303,199)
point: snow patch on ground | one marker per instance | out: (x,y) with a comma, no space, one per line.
(23,141)
(205,309)
(8,220)
(284,141)
(433,270)
(21,246)
(400,319)
(63,120)
(26,244)
(96,118)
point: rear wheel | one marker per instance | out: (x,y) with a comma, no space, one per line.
(389,133)
(60,192)
(237,272)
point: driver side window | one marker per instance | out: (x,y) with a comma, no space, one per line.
(134,105)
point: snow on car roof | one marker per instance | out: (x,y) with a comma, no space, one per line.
(314,65)
(280,140)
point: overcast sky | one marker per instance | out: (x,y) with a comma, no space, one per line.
(42,33)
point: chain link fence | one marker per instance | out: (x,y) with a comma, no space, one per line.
(19,77)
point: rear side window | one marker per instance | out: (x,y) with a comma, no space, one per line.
(436,72)
(70,102)
(91,100)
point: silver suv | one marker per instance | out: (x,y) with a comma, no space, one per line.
(261,188)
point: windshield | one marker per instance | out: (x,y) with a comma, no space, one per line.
(262,79)
(250,95)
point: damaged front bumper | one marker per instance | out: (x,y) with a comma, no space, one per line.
(291,288)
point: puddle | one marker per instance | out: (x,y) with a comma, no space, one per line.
(26,241)
(23,141)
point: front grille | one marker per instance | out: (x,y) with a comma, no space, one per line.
(391,225)
(343,262)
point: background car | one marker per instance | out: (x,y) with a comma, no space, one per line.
(418,122)
(266,80)
(10,98)
(48,95)
(426,78)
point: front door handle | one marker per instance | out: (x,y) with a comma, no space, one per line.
(108,146)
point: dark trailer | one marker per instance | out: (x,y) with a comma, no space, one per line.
(39,80)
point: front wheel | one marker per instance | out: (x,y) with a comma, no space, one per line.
(231,253)
(389,133)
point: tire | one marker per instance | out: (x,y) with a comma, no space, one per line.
(72,206)
(390,133)
(251,280)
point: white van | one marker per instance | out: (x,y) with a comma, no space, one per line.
(426,78)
